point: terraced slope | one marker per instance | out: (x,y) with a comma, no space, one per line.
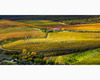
(60,40)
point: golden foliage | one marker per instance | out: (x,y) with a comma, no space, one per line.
(60,57)
(33,53)
(84,27)
(24,52)
(58,40)
(59,60)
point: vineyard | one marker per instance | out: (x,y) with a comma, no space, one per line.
(71,45)
(80,58)
(94,60)
(73,36)
(11,34)
(63,40)
(84,27)
(8,24)
(12,31)
(39,22)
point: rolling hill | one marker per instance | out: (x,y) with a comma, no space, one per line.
(63,40)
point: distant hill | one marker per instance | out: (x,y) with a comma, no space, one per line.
(47,17)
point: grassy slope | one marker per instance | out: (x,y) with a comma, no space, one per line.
(87,57)
(94,60)
(63,40)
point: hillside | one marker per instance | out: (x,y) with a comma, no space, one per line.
(8,24)
(12,31)
(39,22)
(90,57)
(84,27)
(63,40)
(93,60)
(28,40)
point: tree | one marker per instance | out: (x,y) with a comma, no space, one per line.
(24,54)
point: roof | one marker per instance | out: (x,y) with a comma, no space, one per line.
(55,29)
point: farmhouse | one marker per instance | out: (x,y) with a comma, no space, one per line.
(54,29)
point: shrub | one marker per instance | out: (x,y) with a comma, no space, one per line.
(39,61)
(60,57)
(50,62)
(59,60)
(29,59)
(45,58)
(33,53)
(14,56)
(24,52)
(41,56)
(71,60)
